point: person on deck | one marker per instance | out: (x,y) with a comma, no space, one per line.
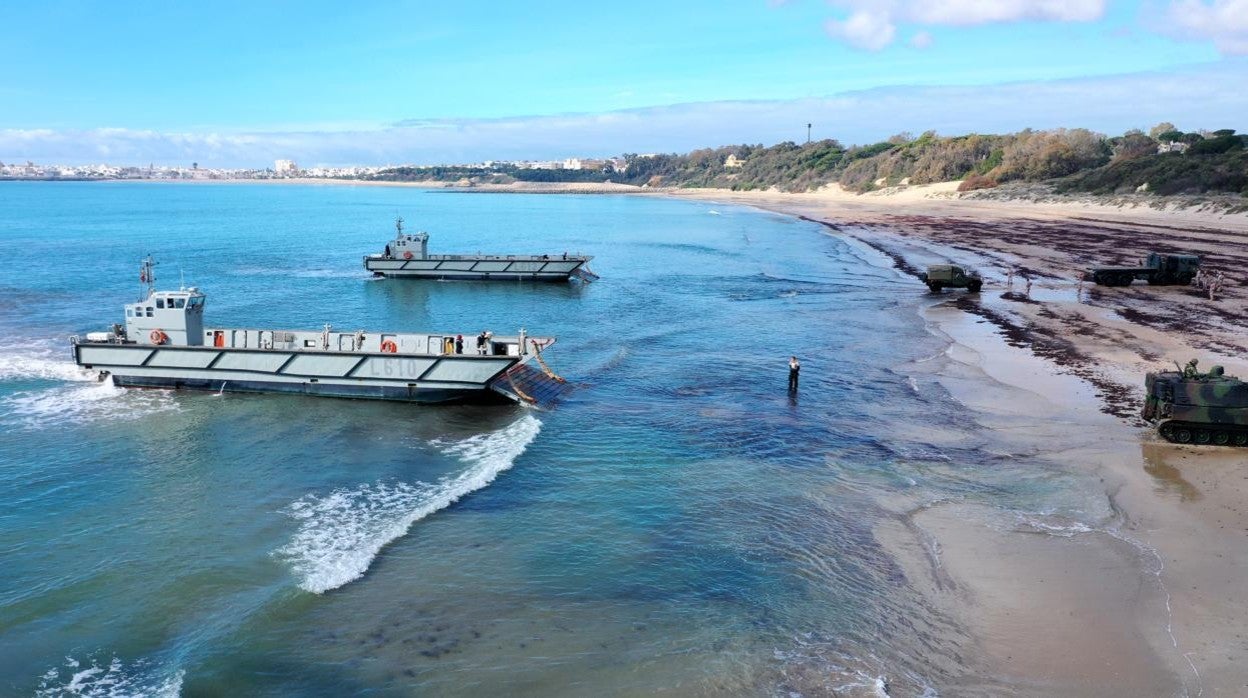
(459,344)
(795,367)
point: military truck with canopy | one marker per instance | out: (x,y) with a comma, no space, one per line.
(1157,269)
(941,276)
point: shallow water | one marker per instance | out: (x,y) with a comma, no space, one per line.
(680,524)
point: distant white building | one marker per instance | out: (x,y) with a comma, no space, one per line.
(286,168)
(572,164)
(1172,147)
(731,161)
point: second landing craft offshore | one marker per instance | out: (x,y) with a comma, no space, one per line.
(164,344)
(407,256)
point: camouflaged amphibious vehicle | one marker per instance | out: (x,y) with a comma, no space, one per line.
(1188,406)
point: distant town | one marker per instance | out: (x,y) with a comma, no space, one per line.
(282,169)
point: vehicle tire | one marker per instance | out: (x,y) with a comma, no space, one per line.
(935,286)
(1221,438)
(974,286)
(1183,435)
(1125,279)
(1240,439)
(1167,432)
(1203,436)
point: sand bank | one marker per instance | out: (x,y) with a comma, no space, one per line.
(1144,598)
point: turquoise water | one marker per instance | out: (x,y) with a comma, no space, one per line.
(680,524)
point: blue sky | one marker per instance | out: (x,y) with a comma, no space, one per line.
(238,84)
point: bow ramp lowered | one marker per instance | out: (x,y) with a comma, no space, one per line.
(407,257)
(527,384)
(165,344)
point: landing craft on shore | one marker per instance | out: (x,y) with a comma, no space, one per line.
(164,344)
(1188,406)
(407,256)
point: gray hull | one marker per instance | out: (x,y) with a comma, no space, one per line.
(482,269)
(427,396)
(378,376)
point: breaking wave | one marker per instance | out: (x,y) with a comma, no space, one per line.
(76,396)
(19,363)
(112,680)
(341,533)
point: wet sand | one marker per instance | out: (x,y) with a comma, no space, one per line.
(1147,600)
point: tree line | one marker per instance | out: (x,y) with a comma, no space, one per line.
(1164,160)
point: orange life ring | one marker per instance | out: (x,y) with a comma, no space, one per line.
(407,255)
(389,347)
(158,337)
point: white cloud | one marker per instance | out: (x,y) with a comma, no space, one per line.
(969,12)
(1225,22)
(1194,98)
(922,40)
(872,24)
(865,29)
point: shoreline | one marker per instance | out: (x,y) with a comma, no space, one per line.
(1141,598)
(1140,601)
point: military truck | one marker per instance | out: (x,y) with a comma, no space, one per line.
(1158,269)
(1188,406)
(942,276)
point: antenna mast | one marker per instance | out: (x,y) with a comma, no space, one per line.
(147,277)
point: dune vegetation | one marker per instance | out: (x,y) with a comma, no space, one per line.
(1163,161)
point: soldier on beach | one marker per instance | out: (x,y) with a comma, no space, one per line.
(795,367)
(1215,286)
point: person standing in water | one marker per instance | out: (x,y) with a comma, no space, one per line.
(795,367)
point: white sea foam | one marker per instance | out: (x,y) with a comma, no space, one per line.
(1052,525)
(77,397)
(341,533)
(81,402)
(112,680)
(18,363)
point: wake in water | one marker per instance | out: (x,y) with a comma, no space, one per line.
(78,396)
(341,533)
(21,363)
(115,680)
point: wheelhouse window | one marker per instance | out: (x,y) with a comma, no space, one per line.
(160,302)
(149,311)
(129,312)
(179,302)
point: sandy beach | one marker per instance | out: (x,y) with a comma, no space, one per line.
(1150,602)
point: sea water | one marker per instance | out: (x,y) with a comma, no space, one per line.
(680,524)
